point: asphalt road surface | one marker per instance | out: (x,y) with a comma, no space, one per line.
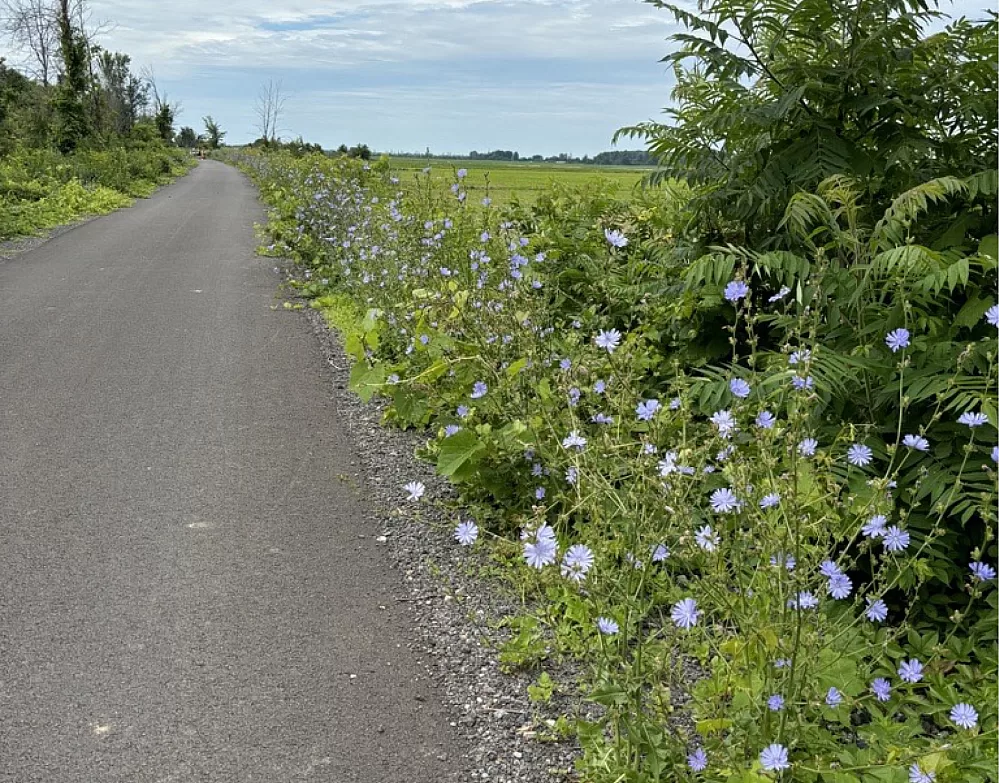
(184,593)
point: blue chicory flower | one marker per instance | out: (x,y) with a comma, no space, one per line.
(739,388)
(964,715)
(765,420)
(973,419)
(774,758)
(859,455)
(769,501)
(541,552)
(466,533)
(577,562)
(895,539)
(875,526)
(707,539)
(840,586)
(724,501)
(725,422)
(736,290)
(881,689)
(897,339)
(877,610)
(917,442)
(684,613)
(415,490)
(608,339)
(646,409)
(911,671)
(479,390)
(829,569)
(615,238)
(803,600)
(697,760)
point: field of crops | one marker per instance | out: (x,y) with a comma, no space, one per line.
(502,181)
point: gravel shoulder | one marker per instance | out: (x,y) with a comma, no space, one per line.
(456,612)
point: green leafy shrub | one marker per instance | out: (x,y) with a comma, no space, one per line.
(41,188)
(749,533)
(770,99)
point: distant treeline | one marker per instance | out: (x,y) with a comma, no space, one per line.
(299,147)
(611,158)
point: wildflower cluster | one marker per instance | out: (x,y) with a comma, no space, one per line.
(671,519)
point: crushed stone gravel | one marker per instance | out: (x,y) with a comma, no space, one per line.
(455,613)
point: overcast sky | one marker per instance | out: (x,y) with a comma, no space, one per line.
(538,76)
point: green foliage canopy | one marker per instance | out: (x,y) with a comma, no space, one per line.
(773,98)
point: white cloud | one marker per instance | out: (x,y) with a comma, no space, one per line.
(535,75)
(183,36)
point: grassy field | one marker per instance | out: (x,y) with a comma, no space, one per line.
(502,180)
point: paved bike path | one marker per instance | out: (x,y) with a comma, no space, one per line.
(185,594)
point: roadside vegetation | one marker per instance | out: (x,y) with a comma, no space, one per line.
(735,435)
(80,133)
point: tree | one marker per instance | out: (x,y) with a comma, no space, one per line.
(361,151)
(268,108)
(186,137)
(771,99)
(32,26)
(72,90)
(124,94)
(214,133)
(13,86)
(164,118)
(164,112)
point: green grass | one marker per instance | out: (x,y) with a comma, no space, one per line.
(503,180)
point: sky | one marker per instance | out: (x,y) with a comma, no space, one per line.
(537,76)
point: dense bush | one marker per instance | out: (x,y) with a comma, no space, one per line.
(80,139)
(756,492)
(40,188)
(770,99)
